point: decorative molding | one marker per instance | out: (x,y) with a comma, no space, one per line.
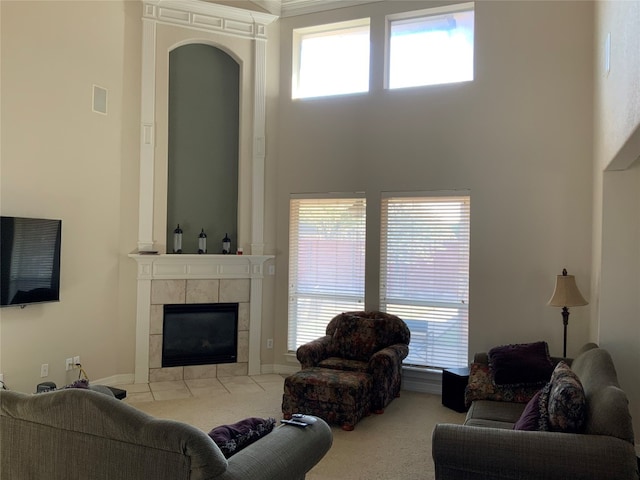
(272,6)
(171,267)
(201,15)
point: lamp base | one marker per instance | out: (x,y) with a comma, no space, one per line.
(565,322)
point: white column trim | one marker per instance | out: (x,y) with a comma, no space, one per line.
(259,149)
(147,135)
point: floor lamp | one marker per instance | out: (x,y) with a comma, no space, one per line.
(565,295)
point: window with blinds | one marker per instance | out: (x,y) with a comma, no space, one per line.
(326,263)
(424,268)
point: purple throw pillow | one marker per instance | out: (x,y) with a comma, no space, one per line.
(233,438)
(523,363)
(530,418)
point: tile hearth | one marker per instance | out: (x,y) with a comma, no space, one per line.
(209,387)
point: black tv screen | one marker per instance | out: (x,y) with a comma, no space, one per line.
(29,260)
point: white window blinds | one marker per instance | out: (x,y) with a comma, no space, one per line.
(326,263)
(425,274)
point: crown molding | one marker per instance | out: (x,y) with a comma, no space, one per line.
(209,16)
(291,8)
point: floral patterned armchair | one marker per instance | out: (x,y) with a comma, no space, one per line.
(367,342)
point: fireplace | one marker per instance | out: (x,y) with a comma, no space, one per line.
(200,334)
(177,279)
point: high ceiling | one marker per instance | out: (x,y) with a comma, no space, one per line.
(290,8)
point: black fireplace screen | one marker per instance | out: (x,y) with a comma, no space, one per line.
(200,334)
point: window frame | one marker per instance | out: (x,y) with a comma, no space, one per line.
(457,356)
(334,28)
(417,14)
(341,302)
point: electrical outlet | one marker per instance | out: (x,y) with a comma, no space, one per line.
(270,343)
(68,364)
(44,370)
(271,270)
(76,360)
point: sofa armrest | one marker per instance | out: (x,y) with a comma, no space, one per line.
(490,454)
(312,353)
(287,453)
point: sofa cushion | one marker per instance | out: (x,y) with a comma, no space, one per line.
(482,387)
(233,438)
(565,402)
(355,338)
(489,413)
(520,364)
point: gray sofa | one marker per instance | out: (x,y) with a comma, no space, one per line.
(77,434)
(486,447)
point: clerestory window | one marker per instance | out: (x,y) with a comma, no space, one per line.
(331,59)
(429,47)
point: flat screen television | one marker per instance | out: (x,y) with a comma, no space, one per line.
(29,260)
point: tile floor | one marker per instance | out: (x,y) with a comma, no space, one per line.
(142,392)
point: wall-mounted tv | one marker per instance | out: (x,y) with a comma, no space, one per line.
(29,260)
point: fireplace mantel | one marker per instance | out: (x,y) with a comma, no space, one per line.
(197,267)
(172,266)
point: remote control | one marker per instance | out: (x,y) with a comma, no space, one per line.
(308,419)
(295,422)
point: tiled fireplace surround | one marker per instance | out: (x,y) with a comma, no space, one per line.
(197,291)
(178,279)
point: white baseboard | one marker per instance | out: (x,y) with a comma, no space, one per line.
(121,379)
(280,369)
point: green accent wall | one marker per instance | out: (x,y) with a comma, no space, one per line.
(203,146)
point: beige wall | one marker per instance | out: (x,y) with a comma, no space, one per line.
(61,160)
(519,137)
(616,259)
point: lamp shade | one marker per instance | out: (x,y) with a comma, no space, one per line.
(566,293)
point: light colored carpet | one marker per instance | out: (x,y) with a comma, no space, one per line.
(394,445)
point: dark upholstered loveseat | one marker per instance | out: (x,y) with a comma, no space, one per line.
(487,447)
(79,434)
(369,342)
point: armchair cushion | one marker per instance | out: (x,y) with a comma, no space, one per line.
(355,338)
(337,363)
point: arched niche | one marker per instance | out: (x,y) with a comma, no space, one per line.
(203,146)
(168,24)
